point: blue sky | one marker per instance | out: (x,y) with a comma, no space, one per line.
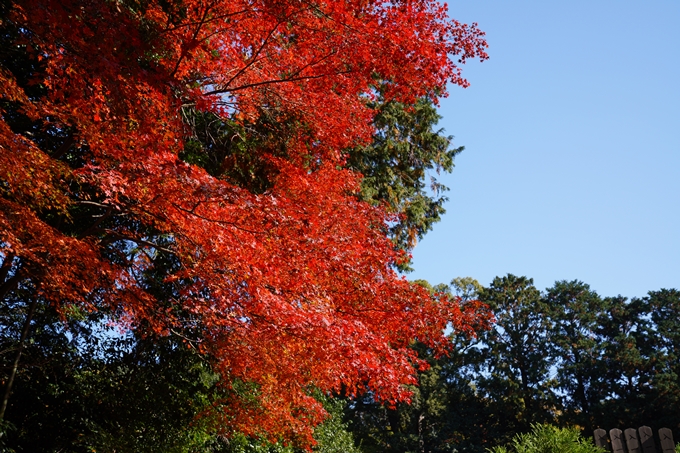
(572,161)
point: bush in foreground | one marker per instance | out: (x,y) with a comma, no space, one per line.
(549,439)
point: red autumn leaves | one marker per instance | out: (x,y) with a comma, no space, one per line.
(288,289)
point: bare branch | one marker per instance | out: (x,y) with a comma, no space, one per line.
(218,222)
(270,82)
(255,55)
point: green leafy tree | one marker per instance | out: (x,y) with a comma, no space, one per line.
(334,435)
(664,306)
(628,362)
(90,389)
(514,369)
(469,417)
(467,288)
(577,350)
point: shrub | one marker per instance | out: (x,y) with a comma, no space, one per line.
(549,439)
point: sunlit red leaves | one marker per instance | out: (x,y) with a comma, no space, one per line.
(292,289)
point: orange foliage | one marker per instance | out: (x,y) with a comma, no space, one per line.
(291,289)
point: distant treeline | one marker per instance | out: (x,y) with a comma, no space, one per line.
(565,356)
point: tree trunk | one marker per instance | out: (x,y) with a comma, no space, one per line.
(15,365)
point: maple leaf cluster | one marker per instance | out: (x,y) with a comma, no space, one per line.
(290,287)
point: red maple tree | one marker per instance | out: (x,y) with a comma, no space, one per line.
(292,288)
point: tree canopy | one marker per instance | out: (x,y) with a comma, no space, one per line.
(118,196)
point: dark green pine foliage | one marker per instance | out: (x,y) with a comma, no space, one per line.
(514,371)
(664,306)
(400,167)
(577,349)
(629,365)
(470,421)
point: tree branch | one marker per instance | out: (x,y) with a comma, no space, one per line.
(115,236)
(270,82)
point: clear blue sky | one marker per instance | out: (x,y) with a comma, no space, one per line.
(572,135)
